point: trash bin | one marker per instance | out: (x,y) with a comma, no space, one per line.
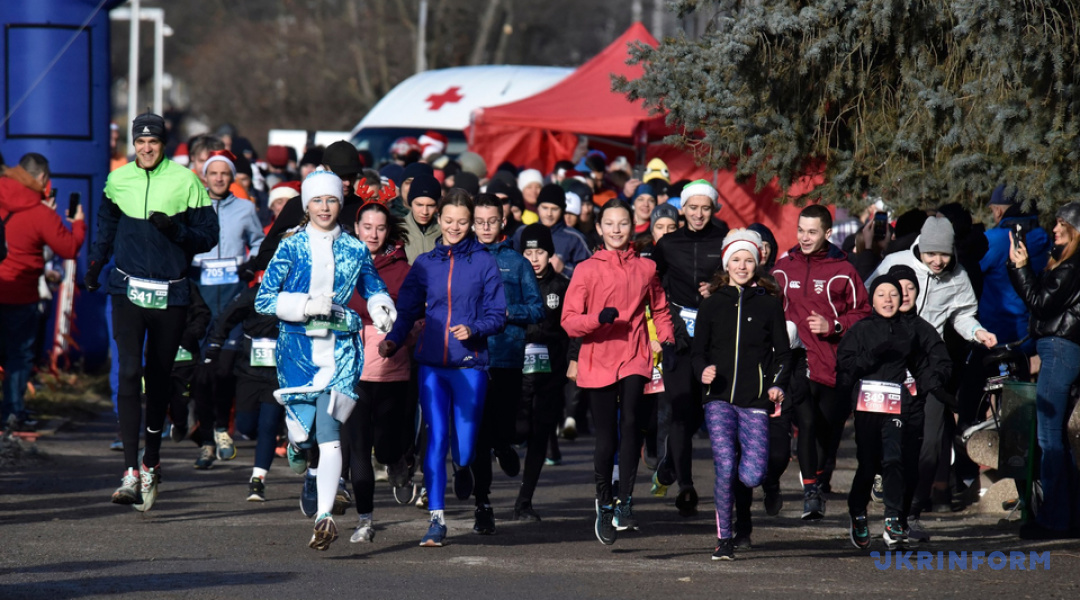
(1016,430)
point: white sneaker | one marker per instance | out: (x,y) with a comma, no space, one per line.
(365,532)
(148,487)
(128,492)
(421,499)
(569,428)
(226,449)
(877,493)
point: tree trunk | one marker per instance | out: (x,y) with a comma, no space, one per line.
(487,21)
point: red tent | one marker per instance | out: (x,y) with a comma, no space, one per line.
(540,130)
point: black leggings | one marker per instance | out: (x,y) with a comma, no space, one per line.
(161,330)
(497,428)
(380,421)
(214,390)
(617,411)
(538,416)
(683,391)
(821,413)
(886,445)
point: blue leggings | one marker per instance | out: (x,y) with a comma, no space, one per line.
(736,433)
(446,392)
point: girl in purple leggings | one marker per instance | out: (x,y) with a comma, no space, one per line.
(741,352)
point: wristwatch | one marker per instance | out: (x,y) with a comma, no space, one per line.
(837,328)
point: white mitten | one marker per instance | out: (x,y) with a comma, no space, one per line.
(318,306)
(382,311)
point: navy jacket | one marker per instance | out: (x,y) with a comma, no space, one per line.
(523,306)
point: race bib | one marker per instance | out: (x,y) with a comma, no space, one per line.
(148,293)
(537,359)
(182,355)
(656,384)
(909,383)
(219,271)
(337,321)
(879,397)
(262,352)
(689,316)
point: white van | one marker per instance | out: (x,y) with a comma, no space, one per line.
(443,100)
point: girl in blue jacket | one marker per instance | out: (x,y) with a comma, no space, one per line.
(460,285)
(308,285)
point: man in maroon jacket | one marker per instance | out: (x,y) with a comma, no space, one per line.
(31,225)
(823,297)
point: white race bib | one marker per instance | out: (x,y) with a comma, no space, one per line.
(879,397)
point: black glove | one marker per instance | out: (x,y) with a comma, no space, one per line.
(246,271)
(163,223)
(667,356)
(190,343)
(608,315)
(212,354)
(90,280)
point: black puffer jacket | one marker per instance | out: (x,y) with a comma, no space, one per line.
(1052,297)
(685,258)
(880,349)
(549,331)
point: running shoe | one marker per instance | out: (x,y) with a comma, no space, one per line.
(813,504)
(309,496)
(342,500)
(364,532)
(177,433)
(435,536)
(523,511)
(916,532)
(742,537)
(324,534)
(686,502)
(398,473)
(226,449)
(117,445)
(206,457)
(421,499)
(658,489)
(893,534)
(509,461)
(877,493)
(552,462)
(406,494)
(774,502)
(485,521)
(569,429)
(605,524)
(649,459)
(463,482)
(256,490)
(128,492)
(149,477)
(297,459)
(725,549)
(624,516)
(859,532)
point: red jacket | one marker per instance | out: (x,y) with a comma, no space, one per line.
(825,283)
(628,283)
(393,266)
(30,227)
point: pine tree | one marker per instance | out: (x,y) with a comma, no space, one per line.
(921,102)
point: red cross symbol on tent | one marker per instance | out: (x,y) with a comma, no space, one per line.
(450,96)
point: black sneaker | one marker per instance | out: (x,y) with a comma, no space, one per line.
(624,516)
(774,502)
(463,482)
(859,533)
(813,505)
(605,524)
(523,511)
(398,473)
(742,537)
(725,549)
(686,502)
(256,490)
(485,521)
(509,461)
(893,534)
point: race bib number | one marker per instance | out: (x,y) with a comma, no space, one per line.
(909,383)
(689,316)
(337,321)
(537,359)
(656,384)
(148,293)
(262,352)
(219,271)
(879,397)
(182,355)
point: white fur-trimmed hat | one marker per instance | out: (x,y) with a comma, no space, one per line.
(320,183)
(741,239)
(529,176)
(699,188)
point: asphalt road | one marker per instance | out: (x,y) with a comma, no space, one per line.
(60,537)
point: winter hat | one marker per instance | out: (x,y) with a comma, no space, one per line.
(320,183)
(313,156)
(664,211)
(148,125)
(342,158)
(415,169)
(1070,213)
(285,189)
(656,169)
(529,176)
(473,163)
(467,181)
(425,186)
(552,193)
(594,161)
(884,280)
(905,273)
(699,188)
(222,156)
(393,172)
(573,203)
(936,236)
(277,156)
(643,190)
(431,143)
(180,155)
(741,239)
(582,190)
(999,198)
(536,236)
(243,166)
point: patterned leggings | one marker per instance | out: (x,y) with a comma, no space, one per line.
(736,433)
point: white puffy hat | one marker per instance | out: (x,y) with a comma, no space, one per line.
(320,183)
(573,203)
(741,239)
(699,188)
(529,176)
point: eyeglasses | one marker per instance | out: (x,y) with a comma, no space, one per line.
(489,224)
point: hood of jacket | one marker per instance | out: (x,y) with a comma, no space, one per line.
(466,248)
(20,190)
(830,253)
(615,256)
(388,256)
(920,265)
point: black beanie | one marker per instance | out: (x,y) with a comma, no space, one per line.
(536,236)
(313,156)
(416,169)
(148,125)
(342,158)
(425,186)
(243,166)
(468,182)
(905,273)
(885,280)
(552,193)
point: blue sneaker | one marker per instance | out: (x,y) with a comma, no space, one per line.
(309,496)
(435,536)
(605,524)
(624,516)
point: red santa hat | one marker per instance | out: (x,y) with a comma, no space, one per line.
(431,143)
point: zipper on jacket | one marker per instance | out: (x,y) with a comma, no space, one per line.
(694,283)
(761,381)
(146,197)
(738,330)
(449,309)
